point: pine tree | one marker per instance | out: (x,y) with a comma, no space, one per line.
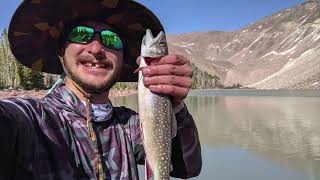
(12,73)
(9,76)
(31,79)
(204,80)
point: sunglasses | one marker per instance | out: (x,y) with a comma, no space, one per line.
(84,35)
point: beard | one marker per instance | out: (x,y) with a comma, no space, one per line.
(92,88)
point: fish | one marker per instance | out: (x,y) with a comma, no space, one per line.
(157,118)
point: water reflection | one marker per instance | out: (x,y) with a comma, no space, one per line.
(281,132)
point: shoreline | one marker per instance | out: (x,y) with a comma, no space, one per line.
(11,93)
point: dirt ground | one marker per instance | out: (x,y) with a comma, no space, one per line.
(8,93)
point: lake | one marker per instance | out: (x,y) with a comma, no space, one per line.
(255,135)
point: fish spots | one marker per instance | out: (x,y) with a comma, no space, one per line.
(156,115)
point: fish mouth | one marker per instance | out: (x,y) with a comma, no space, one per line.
(151,61)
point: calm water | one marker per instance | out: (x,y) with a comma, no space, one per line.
(255,135)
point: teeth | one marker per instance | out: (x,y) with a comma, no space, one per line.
(95,65)
(88,64)
(100,65)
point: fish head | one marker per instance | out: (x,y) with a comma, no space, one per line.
(154,47)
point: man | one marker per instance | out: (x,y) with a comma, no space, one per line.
(75,132)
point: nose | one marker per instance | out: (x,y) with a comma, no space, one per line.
(96,47)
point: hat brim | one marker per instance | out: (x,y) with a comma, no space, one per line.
(37,26)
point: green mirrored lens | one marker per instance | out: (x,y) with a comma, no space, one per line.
(111,39)
(81,34)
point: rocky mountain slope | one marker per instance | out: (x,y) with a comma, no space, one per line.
(279,51)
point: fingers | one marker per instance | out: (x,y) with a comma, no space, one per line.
(167,69)
(169,80)
(174,59)
(171,75)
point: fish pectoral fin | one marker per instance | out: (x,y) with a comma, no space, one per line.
(137,70)
(148,170)
(174,127)
(141,130)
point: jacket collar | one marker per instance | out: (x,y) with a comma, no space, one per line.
(66,99)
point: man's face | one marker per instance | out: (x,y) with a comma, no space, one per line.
(94,67)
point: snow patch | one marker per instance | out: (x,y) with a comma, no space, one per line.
(289,50)
(297,39)
(187,45)
(236,40)
(262,34)
(188,51)
(295,30)
(310,51)
(313,34)
(275,35)
(270,53)
(210,58)
(256,40)
(227,45)
(294,61)
(302,17)
(316,38)
(238,53)
(313,7)
(212,46)
(286,67)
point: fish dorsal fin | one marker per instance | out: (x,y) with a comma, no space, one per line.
(154,46)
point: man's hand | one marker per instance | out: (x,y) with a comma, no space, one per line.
(171,75)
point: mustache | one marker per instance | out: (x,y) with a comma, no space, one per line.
(97,59)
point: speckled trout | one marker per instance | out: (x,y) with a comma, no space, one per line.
(157,118)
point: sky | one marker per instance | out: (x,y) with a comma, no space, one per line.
(182,16)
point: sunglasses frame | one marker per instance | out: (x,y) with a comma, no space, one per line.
(99,32)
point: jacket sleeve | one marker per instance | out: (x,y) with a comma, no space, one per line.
(15,140)
(186,151)
(8,137)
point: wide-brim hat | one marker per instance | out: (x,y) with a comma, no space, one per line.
(37,26)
